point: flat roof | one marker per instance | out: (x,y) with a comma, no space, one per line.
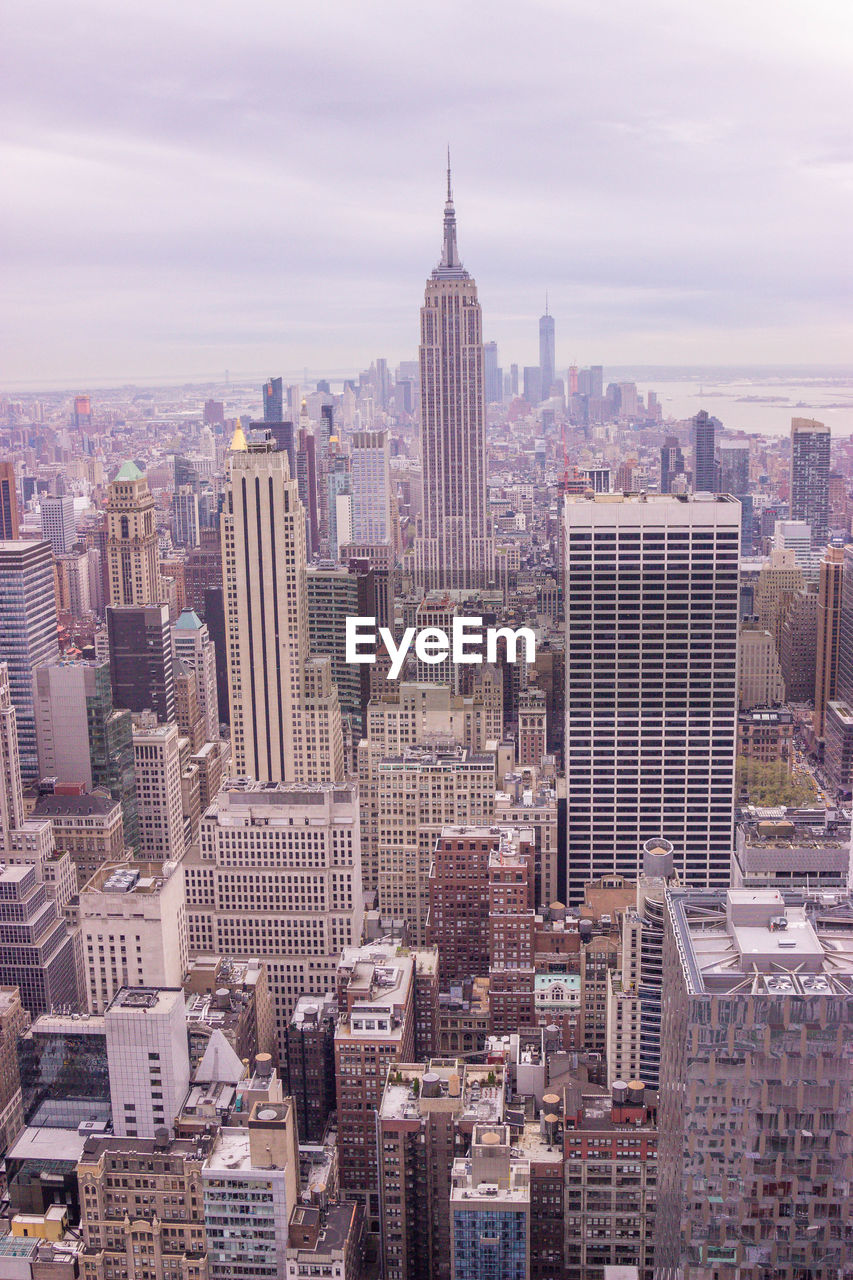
(47,1143)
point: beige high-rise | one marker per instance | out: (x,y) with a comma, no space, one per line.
(133,561)
(828,633)
(456,548)
(285,715)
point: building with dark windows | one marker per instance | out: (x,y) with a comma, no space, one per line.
(141,661)
(65,1075)
(810,446)
(8,501)
(704,453)
(671,463)
(651,682)
(36,948)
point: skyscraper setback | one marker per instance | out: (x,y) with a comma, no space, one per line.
(456,548)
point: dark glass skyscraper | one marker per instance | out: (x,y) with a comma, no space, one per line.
(671,463)
(704,453)
(273,400)
(810,443)
(141,659)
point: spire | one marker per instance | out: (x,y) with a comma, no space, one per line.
(450,263)
(546,302)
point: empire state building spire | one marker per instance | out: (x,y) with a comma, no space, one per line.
(450,267)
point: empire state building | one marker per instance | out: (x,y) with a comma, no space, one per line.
(456,549)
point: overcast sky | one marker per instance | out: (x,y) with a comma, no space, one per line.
(190,187)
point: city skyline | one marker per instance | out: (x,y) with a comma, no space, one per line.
(313,258)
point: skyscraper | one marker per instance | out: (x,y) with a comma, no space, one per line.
(58,526)
(755,1087)
(546,352)
(493,374)
(132,555)
(8,501)
(281,707)
(273,402)
(671,463)
(27,632)
(704,453)
(141,662)
(810,443)
(651,597)
(370,481)
(828,633)
(456,549)
(191,643)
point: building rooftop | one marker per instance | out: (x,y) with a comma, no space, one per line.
(146,1000)
(142,879)
(751,940)
(95,804)
(473,1093)
(46,1143)
(332,1224)
(129,471)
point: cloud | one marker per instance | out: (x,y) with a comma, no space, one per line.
(193,187)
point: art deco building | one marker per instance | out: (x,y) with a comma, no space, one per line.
(651,682)
(284,710)
(456,547)
(132,556)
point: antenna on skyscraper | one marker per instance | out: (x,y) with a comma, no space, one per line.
(449,188)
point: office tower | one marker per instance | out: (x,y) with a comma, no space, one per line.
(73,584)
(214,413)
(155,1183)
(88,828)
(651,682)
(733,467)
(27,633)
(755,1086)
(828,633)
(133,929)
(780,579)
(251,1187)
(278,875)
(810,448)
(760,682)
(158,767)
(456,549)
(333,596)
(141,662)
(266,608)
(371,487)
(596,381)
(634,989)
(546,352)
(416,795)
(82,417)
(58,525)
(13,1023)
(798,648)
(8,502)
(185,518)
(338,501)
(81,739)
(203,570)
(311,1063)
(492,373)
(191,645)
(132,557)
(306,479)
(533,806)
(146,1029)
(490,1209)
(375,1031)
(11,792)
(273,403)
(187,714)
(671,463)
(36,948)
(511,926)
(532,385)
(796,536)
(704,452)
(425,1121)
(65,1076)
